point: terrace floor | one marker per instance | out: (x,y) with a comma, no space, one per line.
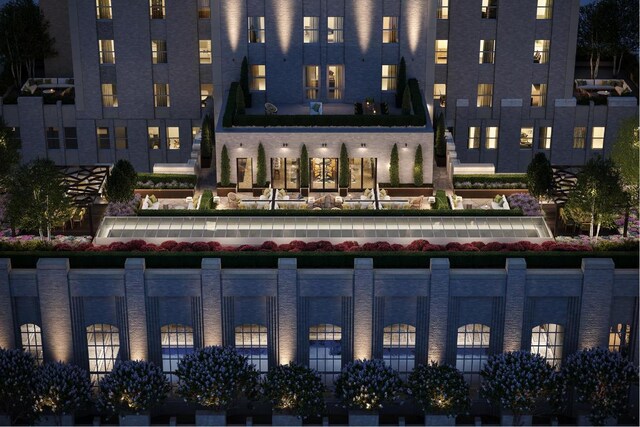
(328,109)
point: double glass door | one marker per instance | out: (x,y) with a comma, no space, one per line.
(285,173)
(363,173)
(324,173)
(244,173)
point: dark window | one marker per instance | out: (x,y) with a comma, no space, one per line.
(103,138)
(122,142)
(53,138)
(70,138)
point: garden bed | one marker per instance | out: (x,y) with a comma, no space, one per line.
(483,186)
(337,213)
(165,181)
(165,193)
(408,190)
(487,194)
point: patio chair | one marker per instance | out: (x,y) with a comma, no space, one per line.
(270,109)
(234,200)
(416,202)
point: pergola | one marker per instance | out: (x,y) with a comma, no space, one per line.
(84,183)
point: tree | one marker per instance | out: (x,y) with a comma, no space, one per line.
(380,382)
(240,101)
(625,153)
(418,179)
(261,174)
(304,167)
(8,153)
(401,82)
(225,167)
(439,389)
(406,101)
(296,389)
(206,144)
(121,182)
(62,389)
(539,176)
(24,32)
(597,195)
(344,175)
(590,38)
(440,146)
(394,167)
(18,382)
(244,82)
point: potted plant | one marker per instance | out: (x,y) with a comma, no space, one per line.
(441,391)
(516,382)
(601,378)
(440,144)
(344,176)
(295,391)
(401,82)
(363,386)
(131,389)
(394,167)
(62,389)
(18,382)
(225,186)
(206,143)
(214,378)
(261,172)
(304,171)
(418,175)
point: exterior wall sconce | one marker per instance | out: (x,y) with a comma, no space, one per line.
(324,145)
(285,145)
(363,145)
(241,145)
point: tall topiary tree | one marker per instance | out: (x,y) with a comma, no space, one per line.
(304,167)
(394,171)
(439,389)
(261,174)
(401,82)
(343,179)
(406,101)
(121,182)
(62,389)
(225,167)
(440,145)
(240,101)
(539,176)
(206,144)
(244,82)
(417,167)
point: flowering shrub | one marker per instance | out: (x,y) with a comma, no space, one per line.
(173,184)
(133,386)
(439,389)
(123,208)
(295,388)
(516,381)
(489,185)
(602,379)
(367,384)
(17,385)
(62,388)
(215,377)
(527,203)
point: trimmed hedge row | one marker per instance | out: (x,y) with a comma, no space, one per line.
(166,177)
(507,178)
(323,213)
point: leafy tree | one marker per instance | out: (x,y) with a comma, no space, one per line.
(406,101)
(394,167)
(625,153)
(240,104)
(62,389)
(439,389)
(261,174)
(8,152)
(401,82)
(597,195)
(440,145)
(17,385)
(304,167)
(295,389)
(24,32)
(244,82)
(539,176)
(225,167)
(344,175)
(418,179)
(121,182)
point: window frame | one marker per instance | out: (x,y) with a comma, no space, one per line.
(310,29)
(159,51)
(442,11)
(110,358)
(541,51)
(161,100)
(579,137)
(544,9)
(485,95)
(545,135)
(487,51)
(477,357)
(256,31)
(336,92)
(490,138)
(442,51)
(205,54)
(157,9)
(31,341)
(176,338)
(539,100)
(311,91)
(474,138)
(441,96)
(325,366)
(257,77)
(52,135)
(404,360)
(107,51)
(337,32)
(103,139)
(554,343)
(120,137)
(109,100)
(526,137)
(390,29)
(204,9)
(257,352)
(70,138)
(597,137)
(391,77)
(620,338)
(173,141)
(153,139)
(104,10)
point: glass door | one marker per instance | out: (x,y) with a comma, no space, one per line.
(285,173)
(244,173)
(324,173)
(363,173)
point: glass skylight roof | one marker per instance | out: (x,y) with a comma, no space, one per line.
(255,230)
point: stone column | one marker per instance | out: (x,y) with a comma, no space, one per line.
(7,334)
(212,301)
(363,308)
(136,308)
(595,307)
(55,309)
(438,309)
(287,310)
(514,303)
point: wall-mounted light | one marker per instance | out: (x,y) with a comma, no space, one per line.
(241,145)
(324,145)
(363,145)
(406,145)
(285,145)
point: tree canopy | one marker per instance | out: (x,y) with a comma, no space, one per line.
(626,150)
(8,153)
(539,176)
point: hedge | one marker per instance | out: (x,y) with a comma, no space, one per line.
(442,203)
(507,178)
(337,213)
(166,177)
(206,202)
(230,109)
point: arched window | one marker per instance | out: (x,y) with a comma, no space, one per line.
(399,347)
(251,342)
(546,340)
(177,341)
(32,341)
(325,351)
(103,345)
(619,336)
(472,351)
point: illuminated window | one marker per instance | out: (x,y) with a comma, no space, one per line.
(204,9)
(489,9)
(474,138)
(442,47)
(177,341)
(399,347)
(311,81)
(173,138)
(205,51)
(335,81)
(311,29)
(157,9)
(107,52)
(597,138)
(206,90)
(103,345)
(443,9)
(389,77)
(487,51)
(256,29)
(104,142)
(472,351)
(440,94)
(251,342)
(545,9)
(579,136)
(389,29)
(491,138)
(547,341)
(161,95)
(53,138)
(485,95)
(109,95)
(335,29)
(258,77)
(153,133)
(70,138)
(159,51)
(541,51)
(122,140)
(619,338)
(103,9)
(526,137)
(538,95)
(325,351)
(544,138)
(32,341)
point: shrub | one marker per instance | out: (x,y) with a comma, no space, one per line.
(439,389)
(206,203)
(440,144)
(442,202)
(230,109)
(394,167)
(18,383)
(401,82)
(304,167)
(406,101)
(215,377)
(62,388)
(539,176)
(206,141)
(240,104)
(296,389)
(417,167)
(344,176)
(261,174)
(244,81)
(160,181)
(121,182)
(128,208)
(133,386)
(528,204)
(367,384)
(225,167)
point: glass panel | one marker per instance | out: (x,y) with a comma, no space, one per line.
(244,173)
(292,174)
(335,80)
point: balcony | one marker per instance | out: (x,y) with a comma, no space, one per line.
(600,90)
(51,90)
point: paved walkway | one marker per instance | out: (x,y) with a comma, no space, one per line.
(441,180)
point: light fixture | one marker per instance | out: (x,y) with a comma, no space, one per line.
(285,145)
(363,145)
(406,145)
(241,145)
(324,145)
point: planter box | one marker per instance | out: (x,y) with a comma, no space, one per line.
(408,191)
(223,191)
(5,420)
(304,191)
(278,419)
(507,420)
(52,420)
(166,194)
(343,192)
(583,420)
(363,418)
(439,420)
(257,191)
(471,193)
(211,418)
(135,420)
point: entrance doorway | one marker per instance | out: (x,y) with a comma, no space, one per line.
(363,173)
(244,172)
(285,173)
(324,174)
